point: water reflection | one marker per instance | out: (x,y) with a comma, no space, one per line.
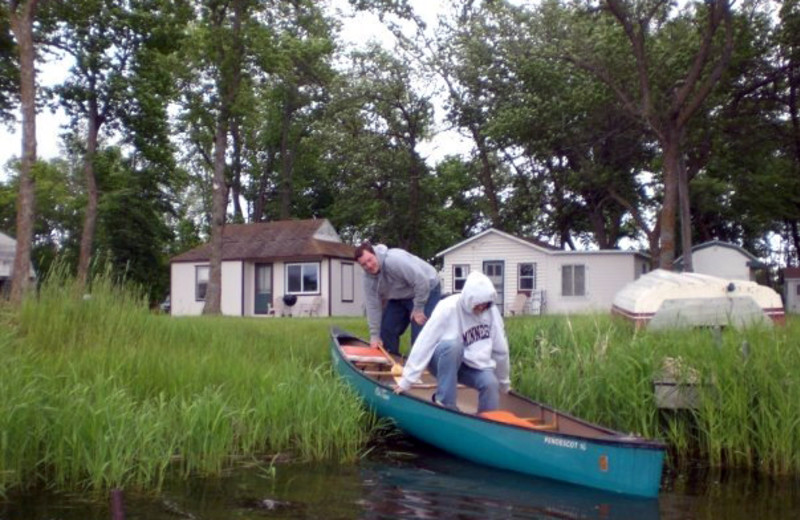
(437,486)
(421,483)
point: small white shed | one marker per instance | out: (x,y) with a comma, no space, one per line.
(724,260)
(662,299)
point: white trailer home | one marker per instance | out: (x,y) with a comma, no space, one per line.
(532,277)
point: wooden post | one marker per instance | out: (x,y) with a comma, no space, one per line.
(117,507)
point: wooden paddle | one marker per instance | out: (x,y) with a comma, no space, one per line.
(397,368)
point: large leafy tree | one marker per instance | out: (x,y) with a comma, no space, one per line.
(216,54)
(459,53)
(572,152)
(281,141)
(660,66)
(381,121)
(115,45)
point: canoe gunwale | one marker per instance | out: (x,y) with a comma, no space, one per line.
(621,440)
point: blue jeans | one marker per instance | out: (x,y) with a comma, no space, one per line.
(397,316)
(447,364)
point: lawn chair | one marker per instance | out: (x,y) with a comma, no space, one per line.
(277,308)
(518,305)
(313,307)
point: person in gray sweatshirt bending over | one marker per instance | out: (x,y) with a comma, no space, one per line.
(463,342)
(399,289)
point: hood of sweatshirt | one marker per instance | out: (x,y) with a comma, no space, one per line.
(380,254)
(477,289)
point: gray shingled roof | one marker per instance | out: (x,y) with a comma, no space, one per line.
(279,240)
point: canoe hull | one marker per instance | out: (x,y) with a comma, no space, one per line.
(624,466)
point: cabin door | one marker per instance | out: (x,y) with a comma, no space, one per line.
(263,289)
(494,270)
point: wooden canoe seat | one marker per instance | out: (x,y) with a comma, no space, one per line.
(365,355)
(504,416)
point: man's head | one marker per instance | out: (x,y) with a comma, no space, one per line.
(366,258)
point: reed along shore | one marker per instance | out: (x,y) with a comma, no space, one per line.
(98,392)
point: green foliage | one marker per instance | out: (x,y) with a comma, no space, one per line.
(603,370)
(97,392)
(9,70)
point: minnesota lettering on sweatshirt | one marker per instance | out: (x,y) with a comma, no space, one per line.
(482,335)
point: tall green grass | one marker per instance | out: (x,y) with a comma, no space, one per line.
(97,392)
(601,369)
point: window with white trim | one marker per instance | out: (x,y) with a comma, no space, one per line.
(460,273)
(573,280)
(302,278)
(526,279)
(201,273)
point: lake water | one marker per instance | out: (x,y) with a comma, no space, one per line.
(408,480)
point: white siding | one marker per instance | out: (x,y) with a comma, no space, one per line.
(722,262)
(347,283)
(182,289)
(605,274)
(495,247)
(249,289)
(231,300)
(182,297)
(330,289)
(793,295)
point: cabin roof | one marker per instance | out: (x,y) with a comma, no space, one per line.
(277,240)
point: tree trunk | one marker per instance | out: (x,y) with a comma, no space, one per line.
(487,179)
(686,216)
(259,208)
(671,145)
(90,216)
(219,203)
(22,26)
(236,181)
(287,159)
(227,88)
(413,210)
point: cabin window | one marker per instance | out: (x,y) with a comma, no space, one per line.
(797,289)
(348,282)
(573,280)
(302,278)
(460,273)
(526,278)
(201,282)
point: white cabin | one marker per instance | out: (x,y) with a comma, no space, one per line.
(266,265)
(532,277)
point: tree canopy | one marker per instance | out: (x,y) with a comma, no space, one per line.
(590,124)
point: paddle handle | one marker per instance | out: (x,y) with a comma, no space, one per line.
(397,368)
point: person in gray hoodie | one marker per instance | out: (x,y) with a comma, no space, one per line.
(463,342)
(399,289)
